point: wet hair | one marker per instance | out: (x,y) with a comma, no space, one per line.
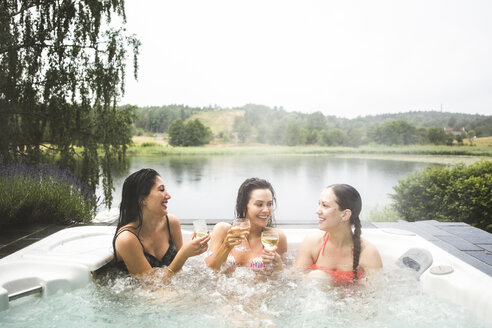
(244,193)
(136,187)
(347,197)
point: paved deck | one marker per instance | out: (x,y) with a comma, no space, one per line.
(471,245)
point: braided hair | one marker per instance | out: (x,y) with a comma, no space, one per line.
(244,194)
(347,197)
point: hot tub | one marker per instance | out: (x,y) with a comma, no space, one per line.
(61,264)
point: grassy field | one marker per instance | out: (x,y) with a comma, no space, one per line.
(480,142)
(218,121)
(157,145)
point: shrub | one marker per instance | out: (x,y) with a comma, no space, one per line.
(460,194)
(43,194)
(149,144)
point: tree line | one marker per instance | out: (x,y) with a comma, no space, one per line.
(262,124)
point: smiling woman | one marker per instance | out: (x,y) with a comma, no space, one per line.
(339,251)
(147,236)
(254,204)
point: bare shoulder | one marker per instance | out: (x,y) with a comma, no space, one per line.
(282,245)
(126,241)
(370,257)
(174,224)
(313,238)
(173,221)
(221,227)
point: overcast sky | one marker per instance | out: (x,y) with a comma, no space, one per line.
(340,57)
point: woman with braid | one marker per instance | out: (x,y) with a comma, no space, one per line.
(337,250)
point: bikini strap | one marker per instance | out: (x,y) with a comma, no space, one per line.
(169,230)
(323,244)
(116,236)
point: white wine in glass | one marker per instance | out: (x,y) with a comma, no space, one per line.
(200,228)
(269,239)
(241,225)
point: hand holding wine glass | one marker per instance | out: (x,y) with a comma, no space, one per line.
(241,226)
(269,239)
(200,228)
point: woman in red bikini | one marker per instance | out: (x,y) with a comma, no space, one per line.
(255,201)
(336,249)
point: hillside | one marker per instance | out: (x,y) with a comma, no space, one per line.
(218,120)
(251,124)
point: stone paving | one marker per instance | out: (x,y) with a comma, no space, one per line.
(471,245)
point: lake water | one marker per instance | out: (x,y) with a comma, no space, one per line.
(206,186)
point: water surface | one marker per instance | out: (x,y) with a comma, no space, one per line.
(206,186)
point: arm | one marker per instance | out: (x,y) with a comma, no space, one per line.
(191,247)
(128,248)
(221,244)
(369,257)
(305,258)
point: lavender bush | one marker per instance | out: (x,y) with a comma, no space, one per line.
(43,194)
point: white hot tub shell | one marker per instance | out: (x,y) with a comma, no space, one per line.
(64,261)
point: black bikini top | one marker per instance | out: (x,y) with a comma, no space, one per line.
(153,261)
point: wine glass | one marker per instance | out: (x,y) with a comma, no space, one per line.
(269,239)
(241,226)
(200,228)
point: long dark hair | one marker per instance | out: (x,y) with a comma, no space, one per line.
(136,187)
(347,197)
(244,193)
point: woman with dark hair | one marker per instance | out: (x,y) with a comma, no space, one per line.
(255,201)
(337,250)
(147,237)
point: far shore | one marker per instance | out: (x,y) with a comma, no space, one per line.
(448,155)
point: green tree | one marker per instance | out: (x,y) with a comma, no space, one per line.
(196,133)
(62,70)
(471,136)
(241,128)
(176,133)
(437,136)
(334,137)
(293,135)
(193,133)
(395,133)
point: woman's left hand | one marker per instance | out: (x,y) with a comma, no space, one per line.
(196,246)
(271,257)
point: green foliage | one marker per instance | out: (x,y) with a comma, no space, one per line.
(176,133)
(43,194)
(149,144)
(241,128)
(258,123)
(462,194)
(395,133)
(437,136)
(62,71)
(383,214)
(193,133)
(158,119)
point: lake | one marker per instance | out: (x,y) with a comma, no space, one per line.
(206,186)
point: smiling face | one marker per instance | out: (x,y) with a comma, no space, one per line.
(156,201)
(329,214)
(260,207)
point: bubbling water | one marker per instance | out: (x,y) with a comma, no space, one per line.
(200,297)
